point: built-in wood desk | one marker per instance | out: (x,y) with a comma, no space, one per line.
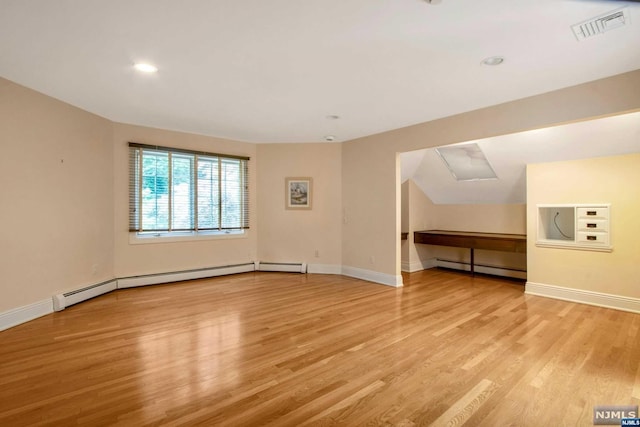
(472,240)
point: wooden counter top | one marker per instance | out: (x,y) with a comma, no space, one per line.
(474,240)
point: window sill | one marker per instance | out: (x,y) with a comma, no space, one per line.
(153,238)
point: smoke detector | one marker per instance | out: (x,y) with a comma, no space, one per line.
(601,24)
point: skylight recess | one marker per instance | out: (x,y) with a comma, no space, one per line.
(466,162)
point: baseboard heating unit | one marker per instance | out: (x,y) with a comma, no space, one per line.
(287,267)
(62,301)
(156,279)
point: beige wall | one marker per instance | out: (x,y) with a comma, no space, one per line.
(602,180)
(420,214)
(57,197)
(405,225)
(138,259)
(371,188)
(485,218)
(371,205)
(295,236)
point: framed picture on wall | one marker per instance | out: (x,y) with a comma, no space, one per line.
(298,193)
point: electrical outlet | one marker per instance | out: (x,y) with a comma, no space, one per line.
(372,259)
(317,253)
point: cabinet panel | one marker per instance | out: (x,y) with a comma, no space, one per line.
(579,226)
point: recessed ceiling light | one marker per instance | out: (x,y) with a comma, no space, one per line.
(333,117)
(493,60)
(145,68)
(330,138)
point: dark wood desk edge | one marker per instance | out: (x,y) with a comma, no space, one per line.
(504,236)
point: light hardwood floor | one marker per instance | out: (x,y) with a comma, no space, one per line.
(293,349)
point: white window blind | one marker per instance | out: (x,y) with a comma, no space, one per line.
(180,190)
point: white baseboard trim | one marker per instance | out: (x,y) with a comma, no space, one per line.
(23,314)
(419,265)
(496,271)
(324,269)
(156,279)
(598,299)
(373,276)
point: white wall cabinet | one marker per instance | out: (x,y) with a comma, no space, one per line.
(583,226)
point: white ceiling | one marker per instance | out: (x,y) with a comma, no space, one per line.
(271,71)
(509,155)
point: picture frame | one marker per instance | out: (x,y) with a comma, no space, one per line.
(298,193)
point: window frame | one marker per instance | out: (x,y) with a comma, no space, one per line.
(238,165)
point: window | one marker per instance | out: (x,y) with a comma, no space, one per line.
(173,190)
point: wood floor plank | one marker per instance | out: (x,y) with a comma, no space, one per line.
(467,405)
(293,349)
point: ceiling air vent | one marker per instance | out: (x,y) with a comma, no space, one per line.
(601,24)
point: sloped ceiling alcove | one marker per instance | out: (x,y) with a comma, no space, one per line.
(509,155)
